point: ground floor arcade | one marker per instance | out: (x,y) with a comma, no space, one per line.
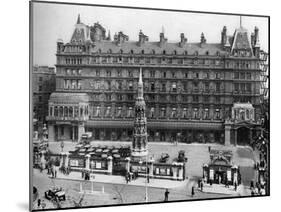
(221,133)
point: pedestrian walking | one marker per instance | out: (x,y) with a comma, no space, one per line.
(52,172)
(166,195)
(201,186)
(38,202)
(252,184)
(192,191)
(199,181)
(235,186)
(127,177)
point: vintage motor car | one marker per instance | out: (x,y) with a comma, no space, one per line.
(164,157)
(181,156)
(55,194)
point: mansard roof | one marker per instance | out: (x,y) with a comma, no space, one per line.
(241,39)
(169,48)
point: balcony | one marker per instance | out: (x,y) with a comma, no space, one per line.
(56,118)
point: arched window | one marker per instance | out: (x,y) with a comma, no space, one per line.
(81,111)
(76,110)
(50,111)
(61,111)
(65,112)
(132,51)
(70,112)
(56,111)
(164,51)
(142,51)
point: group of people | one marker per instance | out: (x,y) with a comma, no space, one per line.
(52,170)
(65,170)
(129,176)
(85,175)
(257,188)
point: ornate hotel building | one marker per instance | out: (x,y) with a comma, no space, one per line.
(194,92)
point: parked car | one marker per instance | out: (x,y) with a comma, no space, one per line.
(56,194)
(181,156)
(164,157)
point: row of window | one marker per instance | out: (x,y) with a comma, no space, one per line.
(72,84)
(160,98)
(165,74)
(194,113)
(242,87)
(163,60)
(73,61)
(174,52)
(68,111)
(159,87)
(149,60)
(242,75)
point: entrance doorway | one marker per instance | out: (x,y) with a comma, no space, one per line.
(220,177)
(243,136)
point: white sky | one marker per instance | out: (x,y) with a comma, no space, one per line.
(53,21)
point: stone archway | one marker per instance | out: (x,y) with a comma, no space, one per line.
(243,136)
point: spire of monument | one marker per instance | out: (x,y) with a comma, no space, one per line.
(140,85)
(78,19)
(140,77)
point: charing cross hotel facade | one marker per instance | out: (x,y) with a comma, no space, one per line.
(194,92)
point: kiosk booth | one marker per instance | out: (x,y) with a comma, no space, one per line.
(220,169)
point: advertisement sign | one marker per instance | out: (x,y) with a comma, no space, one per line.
(228,175)
(211,174)
(98,165)
(73,162)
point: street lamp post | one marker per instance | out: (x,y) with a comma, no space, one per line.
(62,145)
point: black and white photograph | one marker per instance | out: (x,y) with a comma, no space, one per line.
(136,105)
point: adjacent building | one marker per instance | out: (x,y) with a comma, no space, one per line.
(43,84)
(194,92)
